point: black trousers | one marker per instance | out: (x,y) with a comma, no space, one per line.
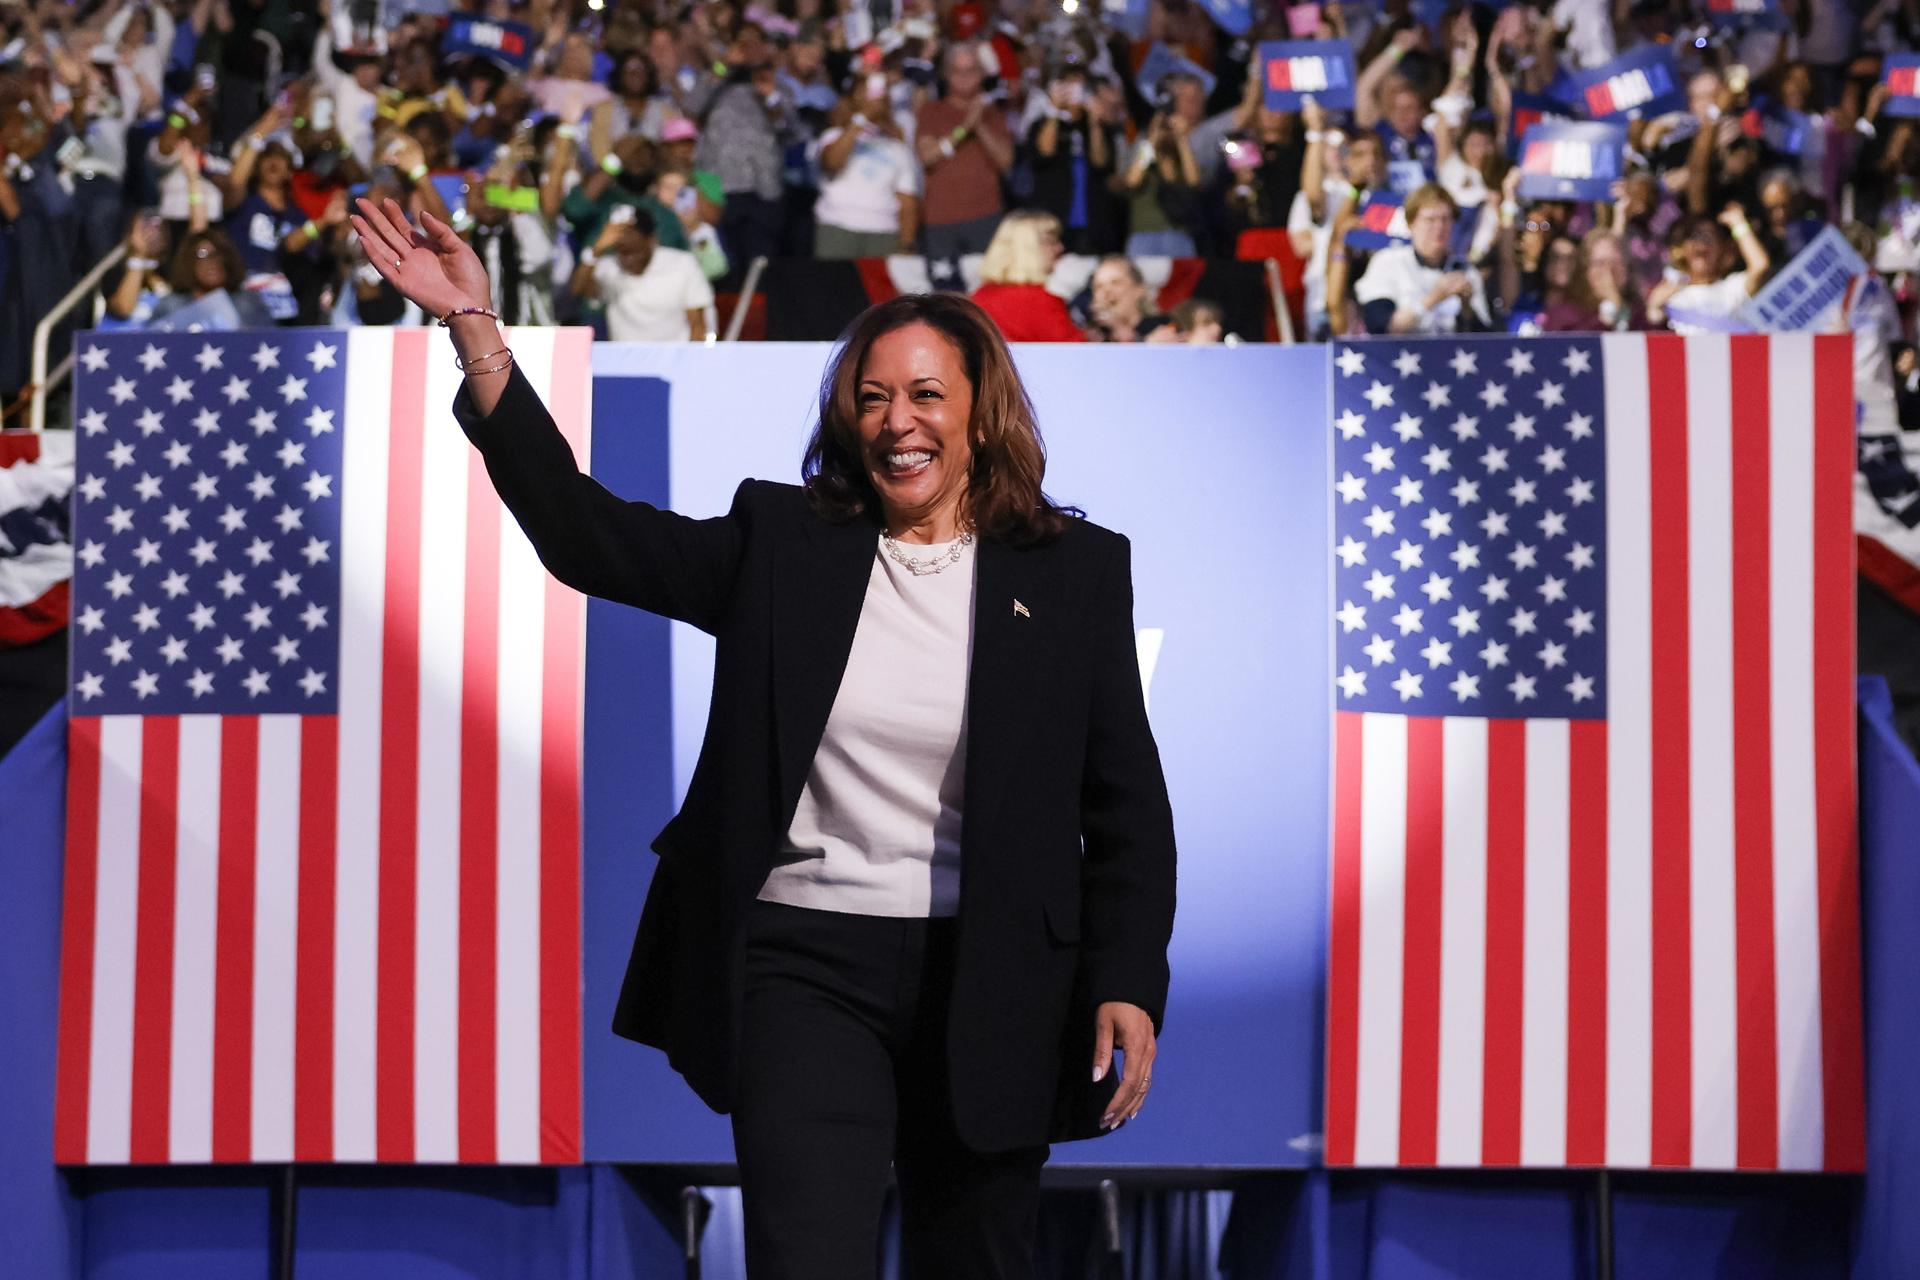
(843,1072)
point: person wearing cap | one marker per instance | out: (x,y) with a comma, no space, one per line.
(651,293)
(966,149)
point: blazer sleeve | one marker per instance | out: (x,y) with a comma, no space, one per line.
(1126,820)
(595,542)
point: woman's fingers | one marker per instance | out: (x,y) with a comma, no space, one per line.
(440,236)
(384,240)
(370,239)
(411,235)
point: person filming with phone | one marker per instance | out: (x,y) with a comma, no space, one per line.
(1423,286)
(1073,151)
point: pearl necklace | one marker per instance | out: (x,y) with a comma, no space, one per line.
(920,568)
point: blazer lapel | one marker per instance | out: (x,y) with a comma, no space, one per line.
(1008,623)
(820,583)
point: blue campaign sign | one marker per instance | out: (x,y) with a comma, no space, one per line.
(1379,221)
(1804,289)
(1783,130)
(1901,75)
(1761,14)
(1530,109)
(1571,161)
(507,43)
(1129,16)
(1231,16)
(1291,70)
(1234,660)
(1161,61)
(1643,83)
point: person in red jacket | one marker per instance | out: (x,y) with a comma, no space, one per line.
(1013,280)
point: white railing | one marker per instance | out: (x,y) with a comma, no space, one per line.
(43,382)
(747,287)
(1282,313)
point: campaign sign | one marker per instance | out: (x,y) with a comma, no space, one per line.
(1902,78)
(1161,61)
(1759,14)
(1641,83)
(1818,277)
(1530,109)
(1231,16)
(1571,161)
(1380,221)
(1784,131)
(508,43)
(1290,70)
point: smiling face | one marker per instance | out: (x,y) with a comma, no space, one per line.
(1115,291)
(916,412)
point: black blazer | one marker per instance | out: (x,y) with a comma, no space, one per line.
(1067,850)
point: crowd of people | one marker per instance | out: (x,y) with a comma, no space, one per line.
(618,162)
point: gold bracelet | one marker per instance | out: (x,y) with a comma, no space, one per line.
(502,367)
(461,365)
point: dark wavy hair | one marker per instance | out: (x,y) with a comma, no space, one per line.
(1004,498)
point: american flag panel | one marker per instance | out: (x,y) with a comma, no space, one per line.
(323,852)
(1594,884)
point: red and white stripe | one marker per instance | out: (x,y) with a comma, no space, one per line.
(355,937)
(1633,942)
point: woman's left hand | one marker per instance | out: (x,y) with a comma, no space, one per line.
(1128,1028)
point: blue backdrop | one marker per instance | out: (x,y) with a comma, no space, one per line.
(1214,463)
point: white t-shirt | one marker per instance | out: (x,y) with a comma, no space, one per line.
(865,194)
(1397,274)
(171,177)
(877,829)
(1708,308)
(652,306)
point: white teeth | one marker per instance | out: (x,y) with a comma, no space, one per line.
(909,459)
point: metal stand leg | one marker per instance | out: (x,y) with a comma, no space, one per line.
(695,1209)
(1603,1225)
(289,1216)
(1112,1260)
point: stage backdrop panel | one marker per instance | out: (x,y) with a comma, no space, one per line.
(1214,464)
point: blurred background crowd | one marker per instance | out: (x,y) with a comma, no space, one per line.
(624,163)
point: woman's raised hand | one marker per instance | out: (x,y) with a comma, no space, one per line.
(430,265)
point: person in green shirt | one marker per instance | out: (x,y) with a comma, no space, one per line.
(625,176)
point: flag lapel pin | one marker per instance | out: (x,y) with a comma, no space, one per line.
(1020,610)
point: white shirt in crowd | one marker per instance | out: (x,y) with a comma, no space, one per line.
(171,177)
(1397,274)
(652,306)
(877,829)
(1708,308)
(865,194)
(354,108)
